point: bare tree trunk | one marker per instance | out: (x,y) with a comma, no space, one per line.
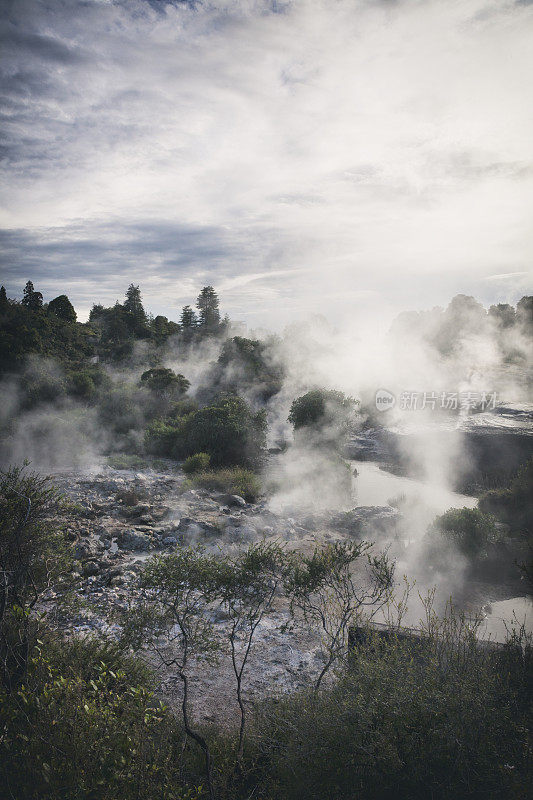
(196,736)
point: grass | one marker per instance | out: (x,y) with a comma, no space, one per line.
(233,480)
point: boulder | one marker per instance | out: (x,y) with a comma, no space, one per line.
(134,540)
(235,501)
(90,546)
(366,521)
(90,568)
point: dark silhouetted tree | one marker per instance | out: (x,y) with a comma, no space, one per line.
(62,308)
(32,299)
(188,320)
(3,297)
(207,305)
(165,382)
(133,305)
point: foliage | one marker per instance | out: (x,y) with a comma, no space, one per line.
(323,412)
(31,299)
(33,556)
(232,480)
(85,724)
(228,430)
(468,528)
(199,462)
(514,505)
(247,586)
(251,365)
(325,593)
(62,308)
(451,722)
(165,382)
(208,310)
(188,319)
(160,436)
(25,331)
(178,591)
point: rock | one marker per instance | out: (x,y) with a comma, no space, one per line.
(90,546)
(366,520)
(234,500)
(90,568)
(247,533)
(134,540)
(127,497)
(192,533)
(169,541)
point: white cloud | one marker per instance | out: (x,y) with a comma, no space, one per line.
(332,151)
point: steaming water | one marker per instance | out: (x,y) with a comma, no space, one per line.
(505,615)
(376,487)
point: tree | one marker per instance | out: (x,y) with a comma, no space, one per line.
(188,320)
(62,308)
(3,298)
(228,430)
(178,591)
(470,529)
(325,415)
(32,300)
(207,305)
(324,592)
(133,305)
(165,382)
(247,586)
(33,555)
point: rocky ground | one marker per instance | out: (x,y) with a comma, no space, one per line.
(120,518)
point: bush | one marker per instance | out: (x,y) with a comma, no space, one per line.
(514,505)
(446,724)
(165,382)
(33,557)
(127,461)
(322,412)
(160,437)
(232,481)
(468,528)
(228,430)
(199,462)
(86,725)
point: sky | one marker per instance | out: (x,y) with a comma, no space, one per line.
(351,158)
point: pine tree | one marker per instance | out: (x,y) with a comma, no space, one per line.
(3,297)
(207,305)
(32,300)
(188,319)
(133,304)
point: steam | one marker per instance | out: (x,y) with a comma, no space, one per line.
(460,349)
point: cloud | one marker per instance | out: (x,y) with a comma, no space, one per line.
(344,148)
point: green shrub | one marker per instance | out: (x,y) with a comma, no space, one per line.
(86,725)
(199,462)
(446,724)
(34,556)
(82,385)
(127,461)
(165,382)
(468,528)
(161,435)
(232,481)
(324,415)
(513,505)
(228,430)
